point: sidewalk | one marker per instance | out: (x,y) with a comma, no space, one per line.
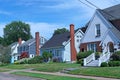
(62,74)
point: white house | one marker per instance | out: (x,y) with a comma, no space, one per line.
(14,52)
(65,46)
(102,35)
(31,46)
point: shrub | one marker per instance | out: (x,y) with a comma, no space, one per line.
(104,64)
(55,60)
(97,55)
(80,61)
(116,56)
(22,61)
(114,63)
(82,55)
(35,60)
(46,56)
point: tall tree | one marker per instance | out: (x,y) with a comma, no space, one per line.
(59,31)
(4,54)
(15,30)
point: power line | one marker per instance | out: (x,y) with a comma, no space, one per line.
(100,9)
(85,4)
(95,7)
(92,4)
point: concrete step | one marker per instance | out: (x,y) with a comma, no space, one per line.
(93,63)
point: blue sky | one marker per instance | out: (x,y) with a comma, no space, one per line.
(45,16)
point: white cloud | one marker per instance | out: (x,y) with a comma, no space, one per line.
(2,25)
(45,29)
(4,12)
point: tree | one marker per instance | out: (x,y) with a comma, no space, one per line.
(4,54)
(1,40)
(15,30)
(59,31)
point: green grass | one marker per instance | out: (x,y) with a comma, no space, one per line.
(56,67)
(113,72)
(48,77)
(49,67)
(4,70)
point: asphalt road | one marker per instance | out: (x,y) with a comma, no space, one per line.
(4,76)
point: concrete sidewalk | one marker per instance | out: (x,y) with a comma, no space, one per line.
(70,75)
(60,74)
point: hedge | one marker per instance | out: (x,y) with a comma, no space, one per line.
(113,63)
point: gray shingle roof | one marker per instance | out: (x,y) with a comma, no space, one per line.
(57,40)
(111,13)
(15,43)
(28,42)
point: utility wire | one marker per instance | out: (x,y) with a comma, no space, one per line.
(92,4)
(85,4)
(100,9)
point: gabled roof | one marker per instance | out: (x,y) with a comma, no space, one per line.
(27,42)
(58,39)
(31,41)
(15,43)
(111,13)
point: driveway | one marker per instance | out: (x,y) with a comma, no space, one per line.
(5,76)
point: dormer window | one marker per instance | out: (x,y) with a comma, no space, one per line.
(97,32)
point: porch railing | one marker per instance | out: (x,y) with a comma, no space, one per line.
(104,58)
(89,59)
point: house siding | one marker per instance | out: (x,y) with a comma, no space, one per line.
(90,35)
(54,51)
(32,49)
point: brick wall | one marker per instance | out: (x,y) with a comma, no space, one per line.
(83,46)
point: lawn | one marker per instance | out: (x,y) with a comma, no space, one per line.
(48,77)
(113,72)
(4,70)
(48,67)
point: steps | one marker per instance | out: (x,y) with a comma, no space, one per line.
(93,63)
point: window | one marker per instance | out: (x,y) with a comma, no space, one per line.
(77,40)
(80,36)
(32,55)
(77,36)
(58,53)
(98,33)
(92,47)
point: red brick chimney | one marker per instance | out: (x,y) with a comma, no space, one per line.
(37,39)
(72,43)
(19,41)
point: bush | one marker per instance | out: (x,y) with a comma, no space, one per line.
(80,62)
(46,56)
(55,60)
(22,61)
(104,64)
(114,63)
(35,60)
(116,56)
(97,55)
(82,55)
